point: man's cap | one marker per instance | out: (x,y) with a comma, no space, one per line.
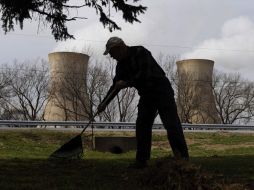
(112,42)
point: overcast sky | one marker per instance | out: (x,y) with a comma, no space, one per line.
(221,30)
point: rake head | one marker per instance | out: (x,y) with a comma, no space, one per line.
(73,149)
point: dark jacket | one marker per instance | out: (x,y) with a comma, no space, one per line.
(141,71)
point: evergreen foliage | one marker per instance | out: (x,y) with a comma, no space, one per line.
(56,13)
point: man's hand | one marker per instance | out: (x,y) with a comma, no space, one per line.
(121,84)
(102,106)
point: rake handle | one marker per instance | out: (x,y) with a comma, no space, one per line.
(91,120)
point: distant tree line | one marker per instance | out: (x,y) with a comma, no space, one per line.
(25,90)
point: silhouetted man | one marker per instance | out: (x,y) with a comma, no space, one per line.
(137,68)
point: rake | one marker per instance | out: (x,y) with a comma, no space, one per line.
(73,149)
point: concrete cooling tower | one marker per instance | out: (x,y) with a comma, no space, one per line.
(67,93)
(196,103)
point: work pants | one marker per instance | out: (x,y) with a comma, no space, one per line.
(148,107)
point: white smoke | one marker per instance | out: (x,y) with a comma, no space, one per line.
(233,51)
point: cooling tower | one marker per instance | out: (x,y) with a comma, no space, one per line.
(196,103)
(67,91)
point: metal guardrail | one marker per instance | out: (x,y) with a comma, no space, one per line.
(118,125)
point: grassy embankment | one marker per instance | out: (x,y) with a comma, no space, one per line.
(227,157)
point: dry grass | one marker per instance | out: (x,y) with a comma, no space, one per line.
(170,174)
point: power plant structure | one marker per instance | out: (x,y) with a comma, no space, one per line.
(68,99)
(195,100)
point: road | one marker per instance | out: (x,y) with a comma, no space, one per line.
(126,130)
